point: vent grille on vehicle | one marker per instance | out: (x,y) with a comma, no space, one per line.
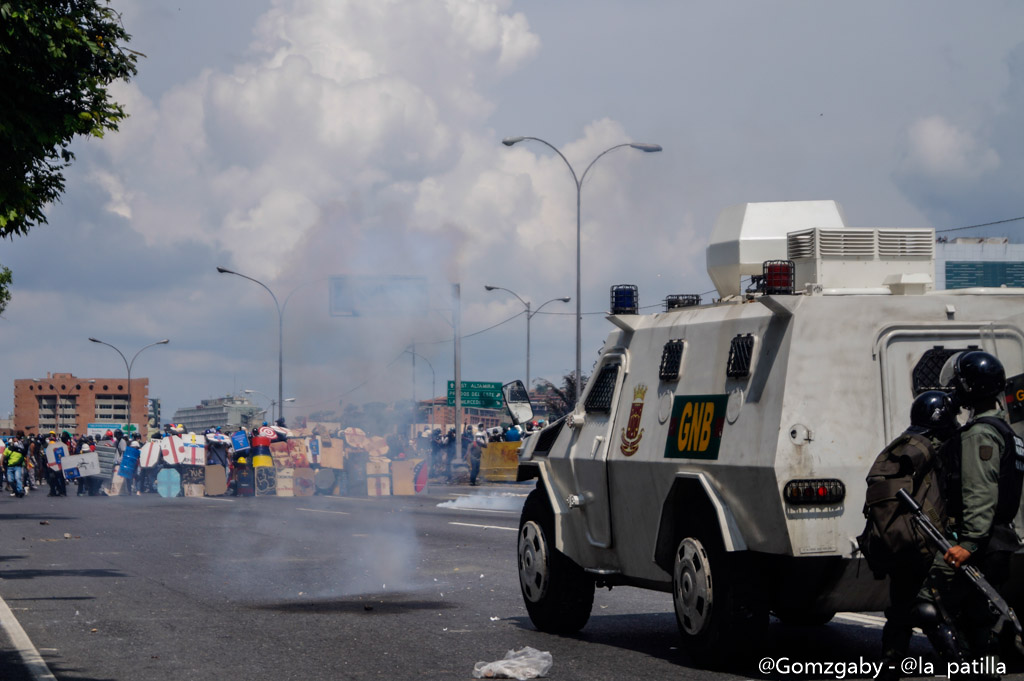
(842,243)
(800,244)
(599,398)
(546,438)
(741,351)
(677,300)
(926,372)
(906,243)
(671,360)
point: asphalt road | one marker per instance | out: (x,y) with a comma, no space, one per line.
(323,588)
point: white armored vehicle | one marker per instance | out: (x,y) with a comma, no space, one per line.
(719,452)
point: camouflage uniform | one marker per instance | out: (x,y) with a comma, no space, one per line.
(981,450)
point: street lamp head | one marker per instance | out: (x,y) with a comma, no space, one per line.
(248,392)
(565,299)
(509,141)
(95,340)
(489,287)
(165,341)
(224,270)
(646,147)
(289,399)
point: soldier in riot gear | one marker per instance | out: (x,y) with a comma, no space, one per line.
(912,461)
(983,477)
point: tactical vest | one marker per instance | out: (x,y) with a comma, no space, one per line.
(1011,472)
(909,462)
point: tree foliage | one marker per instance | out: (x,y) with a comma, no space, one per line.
(57,60)
(561,401)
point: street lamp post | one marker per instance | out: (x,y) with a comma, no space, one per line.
(508,142)
(128,365)
(280,331)
(433,379)
(280,412)
(529,316)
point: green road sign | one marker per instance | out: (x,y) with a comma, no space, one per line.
(482,394)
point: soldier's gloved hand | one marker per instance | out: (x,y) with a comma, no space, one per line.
(956,556)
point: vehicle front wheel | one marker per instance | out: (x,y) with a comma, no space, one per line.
(557,592)
(712,615)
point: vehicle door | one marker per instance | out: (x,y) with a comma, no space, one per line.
(588,455)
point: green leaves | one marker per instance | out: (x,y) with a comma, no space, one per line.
(57,60)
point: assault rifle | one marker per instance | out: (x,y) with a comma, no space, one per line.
(996,603)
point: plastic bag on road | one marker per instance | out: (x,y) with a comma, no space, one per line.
(526,663)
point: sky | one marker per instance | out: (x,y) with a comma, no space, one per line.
(298,141)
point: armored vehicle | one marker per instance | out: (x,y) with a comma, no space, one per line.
(719,451)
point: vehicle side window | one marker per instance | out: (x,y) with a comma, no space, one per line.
(741,354)
(671,360)
(599,399)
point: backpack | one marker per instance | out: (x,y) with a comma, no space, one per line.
(1011,472)
(909,462)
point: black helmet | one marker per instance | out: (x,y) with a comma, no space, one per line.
(977,377)
(933,410)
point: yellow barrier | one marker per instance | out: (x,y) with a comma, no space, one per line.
(499,461)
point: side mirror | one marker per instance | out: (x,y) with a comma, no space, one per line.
(517,401)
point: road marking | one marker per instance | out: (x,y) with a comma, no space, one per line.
(230,501)
(317,510)
(487,527)
(860,618)
(28,653)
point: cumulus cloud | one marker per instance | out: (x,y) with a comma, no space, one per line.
(939,149)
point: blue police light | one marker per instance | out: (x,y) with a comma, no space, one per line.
(625,299)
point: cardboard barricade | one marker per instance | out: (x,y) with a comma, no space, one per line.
(84,465)
(193,450)
(378,477)
(286,482)
(55,452)
(265,480)
(193,480)
(216,480)
(173,450)
(499,461)
(149,454)
(245,482)
(409,476)
(303,484)
(355,469)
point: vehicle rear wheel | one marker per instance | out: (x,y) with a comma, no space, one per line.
(710,611)
(557,592)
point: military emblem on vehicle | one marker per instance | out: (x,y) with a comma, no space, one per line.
(633,433)
(695,428)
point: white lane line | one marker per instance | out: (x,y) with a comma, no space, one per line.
(28,653)
(487,527)
(482,510)
(859,618)
(230,501)
(317,510)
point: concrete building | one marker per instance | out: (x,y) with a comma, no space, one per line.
(966,262)
(230,412)
(66,402)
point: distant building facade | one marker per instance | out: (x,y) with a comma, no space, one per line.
(63,401)
(230,412)
(968,262)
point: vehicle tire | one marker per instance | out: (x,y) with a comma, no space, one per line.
(713,618)
(557,592)
(803,617)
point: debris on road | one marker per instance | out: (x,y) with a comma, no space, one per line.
(525,663)
(44,522)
